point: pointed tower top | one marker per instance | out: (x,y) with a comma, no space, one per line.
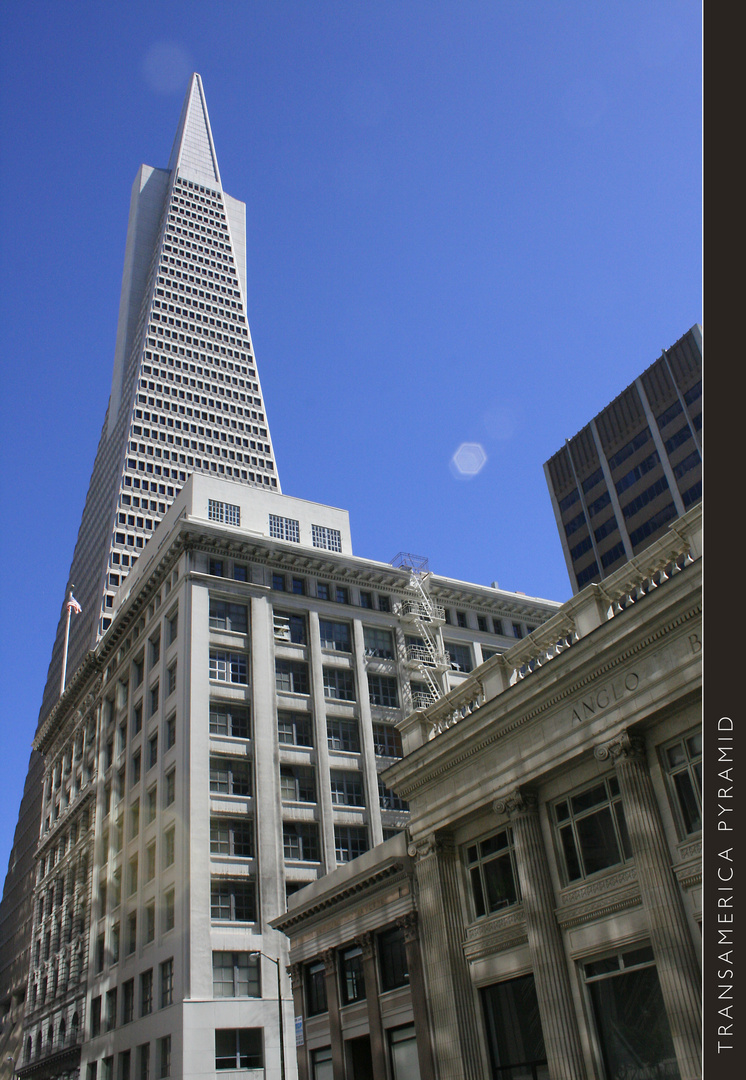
(193,154)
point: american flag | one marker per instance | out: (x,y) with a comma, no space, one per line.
(73,605)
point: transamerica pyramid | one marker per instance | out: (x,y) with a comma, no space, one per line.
(185,397)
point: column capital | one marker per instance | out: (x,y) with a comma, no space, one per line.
(329,958)
(518,803)
(409,924)
(367,943)
(295,971)
(434,844)
(624,747)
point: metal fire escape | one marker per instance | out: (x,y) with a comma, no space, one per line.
(427,656)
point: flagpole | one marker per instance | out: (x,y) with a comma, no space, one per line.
(67,640)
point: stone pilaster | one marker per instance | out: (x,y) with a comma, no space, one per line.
(456,1032)
(558,1020)
(295,971)
(367,943)
(419,996)
(332,1003)
(675,956)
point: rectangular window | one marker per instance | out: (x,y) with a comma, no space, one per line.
(149,922)
(289,628)
(343,735)
(366,599)
(170,793)
(683,764)
(389,800)
(628,1008)
(239,1048)
(95,1017)
(297,783)
(169,847)
(349,842)
(215,567)
(232,837)
(291,676)
(513,1029)
(341,595)
(152,803)
(169,910)
(335,635)
(150,861)
(383,690)
(460,656)
(155,649)
(171,679)
(233,901)
(278,582)
(229,720)
(135,771)
(225,513)
(491,867)
(314,978)
(146,992)
(131,932)
(592,830)
(235,974)
(128,1001)
(282,528)
(172,627)
(378,642)
(240,572)
(347,788)
(123,1072)
(152,750)
(339,684)
(322,590)
(143,1062)
(392,959)
(170,731)
(111,1009)
(300,841)
(164,1056)
(137,718)
(323,537)
(298,586)
(167,982)
(387,741)
(230,776)
(228,616)
(229,667)
(132,876)
(294,728)
(134,818)
(351,976)
(154,698)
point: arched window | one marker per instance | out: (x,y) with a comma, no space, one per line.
(74,1028)
(38,1043)
(29,1045)
(63,1031)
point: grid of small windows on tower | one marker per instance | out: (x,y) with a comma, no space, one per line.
(198,404)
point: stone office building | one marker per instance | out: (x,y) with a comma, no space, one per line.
(553,874)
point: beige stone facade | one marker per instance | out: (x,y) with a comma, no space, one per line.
(554,868)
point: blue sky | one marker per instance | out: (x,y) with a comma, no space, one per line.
(468,221)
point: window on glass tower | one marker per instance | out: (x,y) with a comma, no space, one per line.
(591,829)
(683,763)
(490,864)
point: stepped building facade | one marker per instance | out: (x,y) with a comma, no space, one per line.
(233,687)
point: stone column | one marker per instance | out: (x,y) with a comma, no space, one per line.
(367,943)
(332,1003)
(456,1031)
(675,956)
(419,996)
(558,1020)
(295,971)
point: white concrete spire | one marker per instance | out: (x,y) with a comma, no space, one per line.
(193,153)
